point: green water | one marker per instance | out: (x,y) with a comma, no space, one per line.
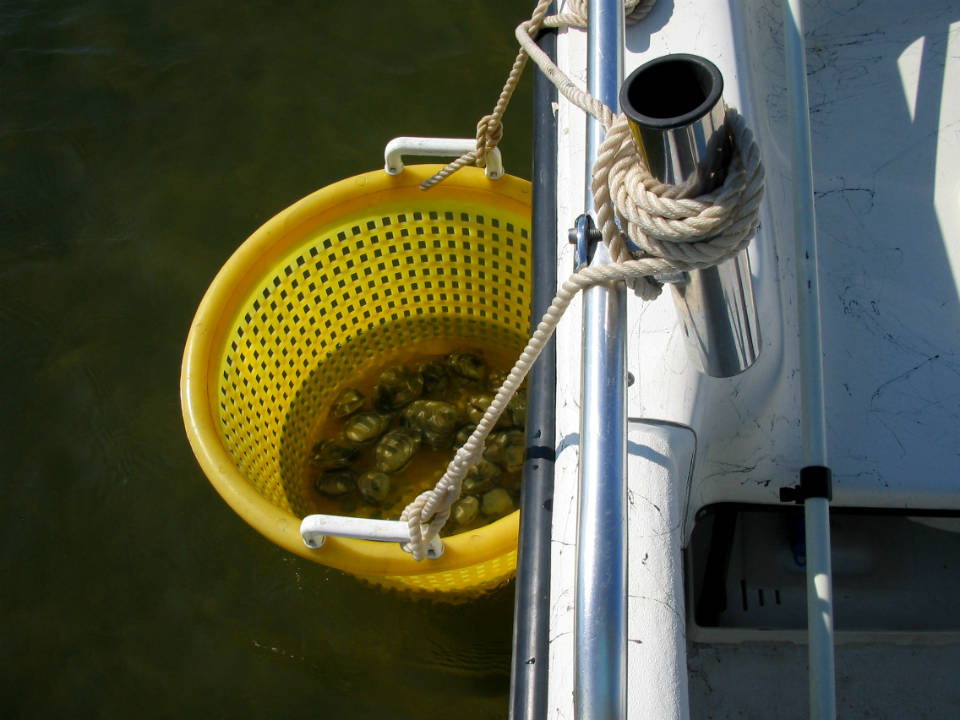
(140,143)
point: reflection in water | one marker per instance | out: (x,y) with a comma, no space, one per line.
(140,144)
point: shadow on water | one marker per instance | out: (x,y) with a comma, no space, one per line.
(140,143)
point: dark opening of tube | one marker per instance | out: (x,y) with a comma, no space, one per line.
(671,91)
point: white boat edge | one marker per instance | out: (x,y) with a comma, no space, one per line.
(740,436)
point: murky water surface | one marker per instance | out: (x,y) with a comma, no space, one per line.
(140,143)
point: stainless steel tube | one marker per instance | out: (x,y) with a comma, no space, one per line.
(600,623)
(675,108)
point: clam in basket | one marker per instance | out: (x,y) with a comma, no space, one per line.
(359,271)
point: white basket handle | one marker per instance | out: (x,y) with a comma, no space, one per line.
(436,147)
(315,528)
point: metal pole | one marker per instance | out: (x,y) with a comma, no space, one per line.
(813,415)
(601,585)
(531,624)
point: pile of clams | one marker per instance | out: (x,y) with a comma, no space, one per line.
(422,410)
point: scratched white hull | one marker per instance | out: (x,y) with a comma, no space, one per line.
(884,85)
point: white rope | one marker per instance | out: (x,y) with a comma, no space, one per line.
(673,234)
(490,127)
(576,14)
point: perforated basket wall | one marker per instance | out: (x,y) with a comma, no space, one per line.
(360,270)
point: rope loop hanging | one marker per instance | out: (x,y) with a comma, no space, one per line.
(670,234)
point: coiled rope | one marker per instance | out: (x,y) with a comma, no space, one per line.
(672,234)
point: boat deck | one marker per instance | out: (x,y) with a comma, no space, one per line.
(886,154)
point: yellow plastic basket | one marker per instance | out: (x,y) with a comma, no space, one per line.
(353,272)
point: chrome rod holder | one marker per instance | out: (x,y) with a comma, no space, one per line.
(674,106)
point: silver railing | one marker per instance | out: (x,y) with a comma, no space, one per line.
(600,616)
(677,116)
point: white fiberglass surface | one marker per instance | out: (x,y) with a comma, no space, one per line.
(886,142)
(886,151)
(886,147)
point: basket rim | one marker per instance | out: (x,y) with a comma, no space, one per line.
(210,325)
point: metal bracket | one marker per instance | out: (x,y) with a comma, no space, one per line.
(816,481)
(585,236)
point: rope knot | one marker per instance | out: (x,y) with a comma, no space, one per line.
(489,134)
(576,15)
